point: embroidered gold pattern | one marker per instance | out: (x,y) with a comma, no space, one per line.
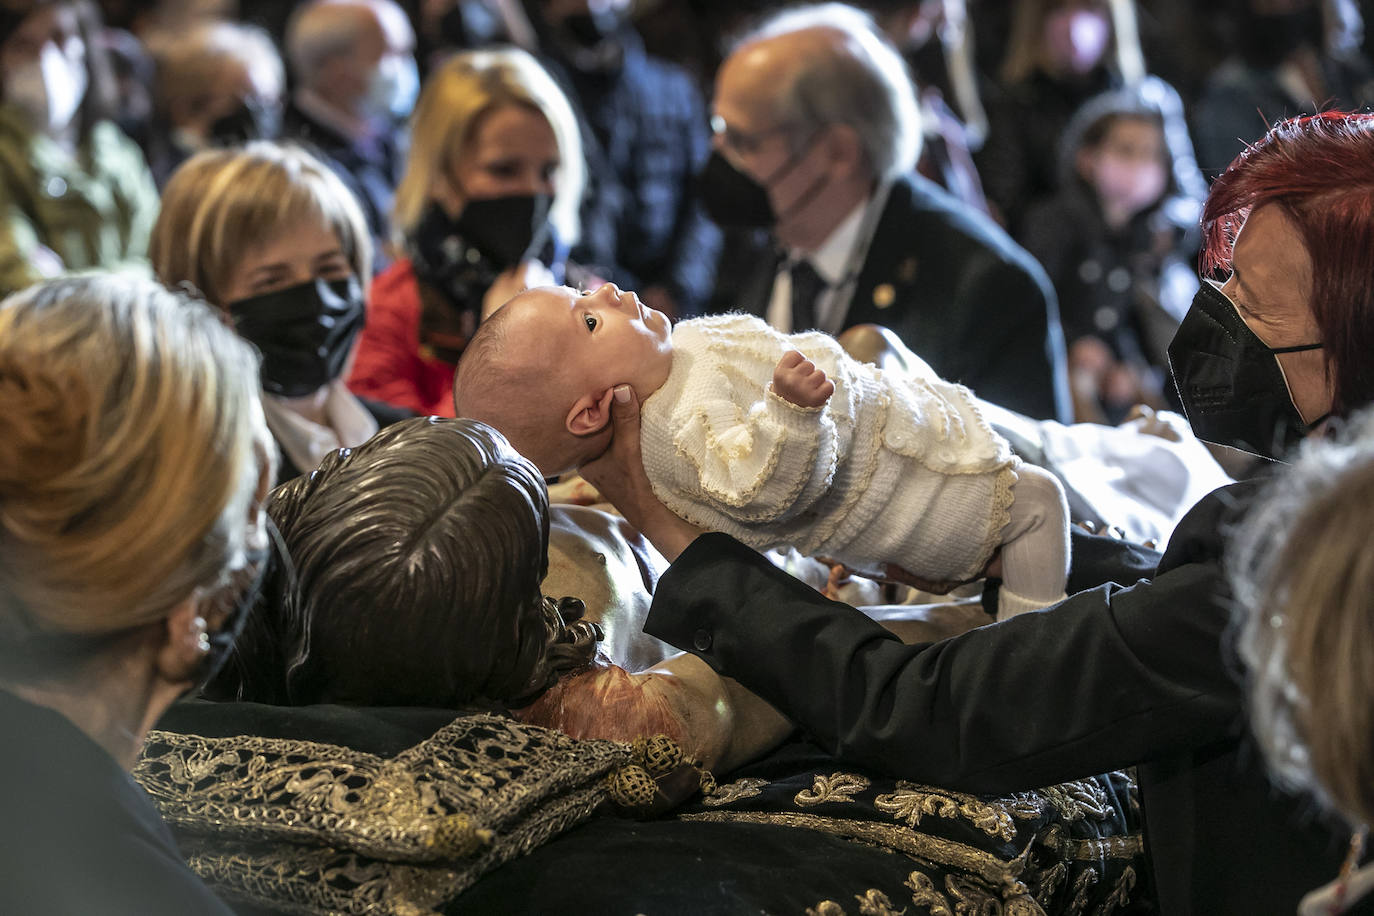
(875,903)
(825,908)
(837,787)
(923,893)
(996,819)
(313,828)
(985,865)
(1080,799)
(733,792)
(1120,895)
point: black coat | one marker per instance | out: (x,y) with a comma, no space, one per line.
(79,835)
(1112,677)
(370,170)
(961,294)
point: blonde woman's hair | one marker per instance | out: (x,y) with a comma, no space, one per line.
(455,97)
(133,444)
(221,203)
(1303,576)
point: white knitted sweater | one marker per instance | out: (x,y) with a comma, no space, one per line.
(890,470)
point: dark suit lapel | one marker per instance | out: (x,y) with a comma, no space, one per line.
(887,281)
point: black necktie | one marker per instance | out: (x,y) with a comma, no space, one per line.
(806,288)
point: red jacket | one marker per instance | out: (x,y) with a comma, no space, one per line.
(388,365)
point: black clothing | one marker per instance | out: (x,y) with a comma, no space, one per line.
(1109,678)
(957,291)
(80,836)
(645,133)
(371,170)
(385,414)
(1019,162)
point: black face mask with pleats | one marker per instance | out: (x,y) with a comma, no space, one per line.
(1233,389)
(304,332)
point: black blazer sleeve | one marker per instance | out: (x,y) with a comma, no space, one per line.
(1110,677)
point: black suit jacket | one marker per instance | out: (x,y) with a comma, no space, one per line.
(961,294)
(1111,677)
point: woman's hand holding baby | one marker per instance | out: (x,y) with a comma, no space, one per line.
(798,381)
(619,475)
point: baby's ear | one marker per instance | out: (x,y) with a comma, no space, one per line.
(591,413)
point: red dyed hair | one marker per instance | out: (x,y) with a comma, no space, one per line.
(1320,169)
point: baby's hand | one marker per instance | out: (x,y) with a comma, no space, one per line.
(797,381)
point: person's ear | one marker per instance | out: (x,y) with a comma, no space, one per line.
(844,150)
(184,643)
(591,413)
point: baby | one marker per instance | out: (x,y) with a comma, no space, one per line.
(743,434)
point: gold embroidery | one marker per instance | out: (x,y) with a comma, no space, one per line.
(1051,880)
(825,908)
(1080,799)
(995,818)
(837,787)
(990,868)
(1110,847)
(875,903)
(301,826)
(733,792)
(1120,895)
(923,893)
(1082,885)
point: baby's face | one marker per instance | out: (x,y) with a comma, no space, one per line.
(599,339)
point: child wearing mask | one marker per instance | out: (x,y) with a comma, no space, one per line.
(891,475)
(1117,240)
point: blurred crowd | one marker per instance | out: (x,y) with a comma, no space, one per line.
(1085,130)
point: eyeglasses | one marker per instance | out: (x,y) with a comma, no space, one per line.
(744,142)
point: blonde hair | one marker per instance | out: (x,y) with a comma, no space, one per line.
(221,203)
(129,460)
(453,101)
(1303,576)
(190,66)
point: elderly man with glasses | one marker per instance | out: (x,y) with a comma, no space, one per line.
(816,137)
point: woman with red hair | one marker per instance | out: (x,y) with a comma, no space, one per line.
(1112,676)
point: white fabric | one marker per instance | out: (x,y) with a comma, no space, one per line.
(306,442)
(890,470)
(1035,544)
(1322,901)
(837,261)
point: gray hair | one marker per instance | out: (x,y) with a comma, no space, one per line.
(1301,574)
(865,85)
(323,29)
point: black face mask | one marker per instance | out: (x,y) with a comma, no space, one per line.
(504,230)
(734,200)
(1233,390)
(304,332)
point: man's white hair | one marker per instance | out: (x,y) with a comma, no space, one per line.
(865,85)
(325,28)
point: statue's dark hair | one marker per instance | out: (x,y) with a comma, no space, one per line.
(411,579)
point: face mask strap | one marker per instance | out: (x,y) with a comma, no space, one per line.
(1297,349)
